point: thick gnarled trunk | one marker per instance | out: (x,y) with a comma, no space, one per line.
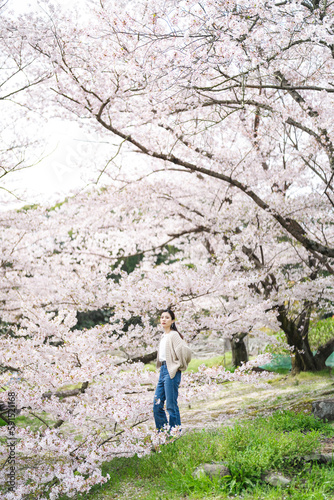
(239,350)
(296,332)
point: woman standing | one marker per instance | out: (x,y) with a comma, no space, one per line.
(173,357)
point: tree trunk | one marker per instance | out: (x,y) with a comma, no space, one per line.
(296,333)
(323,353)
(239,351)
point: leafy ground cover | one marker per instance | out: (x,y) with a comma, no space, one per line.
(249,448)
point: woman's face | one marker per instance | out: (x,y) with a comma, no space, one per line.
(166,320)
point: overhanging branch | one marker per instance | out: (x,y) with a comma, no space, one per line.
(290,225)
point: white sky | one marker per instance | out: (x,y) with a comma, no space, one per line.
(63,168)
(57,173)
(72,160)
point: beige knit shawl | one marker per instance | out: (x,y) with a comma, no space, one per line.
(178,354)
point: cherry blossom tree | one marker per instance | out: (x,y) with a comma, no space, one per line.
(238,93)
(56,262)
(231,105)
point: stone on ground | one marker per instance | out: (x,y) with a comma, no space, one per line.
(215,469)
(324,409)
(276,479)
(320,458)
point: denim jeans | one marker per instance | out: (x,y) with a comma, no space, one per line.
(167,390)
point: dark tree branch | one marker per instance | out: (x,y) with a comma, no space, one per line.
(294,94)
(146,358)
(66,394)
(291,226)
(268,86)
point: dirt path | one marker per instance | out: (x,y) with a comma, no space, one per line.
(235,400)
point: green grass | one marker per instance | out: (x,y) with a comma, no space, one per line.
(225,360)
(309,376)
(320,332)
(249,449)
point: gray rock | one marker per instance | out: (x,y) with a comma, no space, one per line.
(321,458)
(328,458)
(215,469)
(276,479)
(323,409)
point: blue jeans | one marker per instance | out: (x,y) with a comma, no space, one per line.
(167,390)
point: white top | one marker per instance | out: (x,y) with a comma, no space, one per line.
(162,347)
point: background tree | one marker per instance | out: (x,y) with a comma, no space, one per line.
(231,107)
(240,94)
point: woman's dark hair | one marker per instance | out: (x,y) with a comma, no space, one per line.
(173,325)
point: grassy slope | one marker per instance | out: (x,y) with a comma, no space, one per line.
(249,449)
